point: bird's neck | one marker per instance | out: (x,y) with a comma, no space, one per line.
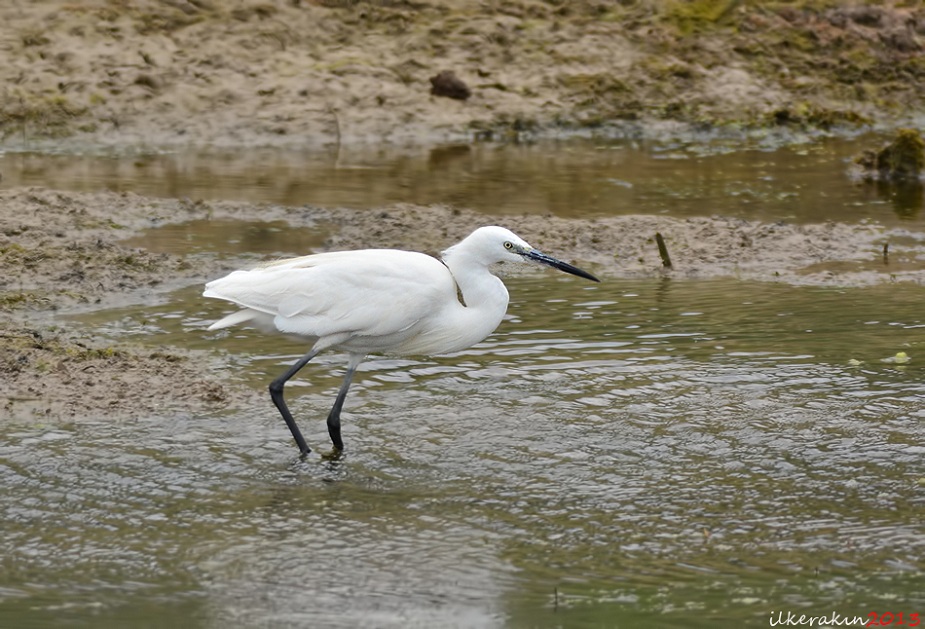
(480,288)
(483,293)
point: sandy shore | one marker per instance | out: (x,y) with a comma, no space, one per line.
(307,73)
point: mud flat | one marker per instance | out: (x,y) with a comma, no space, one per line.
(63,252)
(310,73)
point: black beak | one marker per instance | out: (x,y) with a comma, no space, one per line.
(542,258)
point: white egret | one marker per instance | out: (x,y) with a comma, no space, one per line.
(378,301)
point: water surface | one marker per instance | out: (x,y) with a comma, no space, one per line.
(654,453)
(803,182)
(634,453)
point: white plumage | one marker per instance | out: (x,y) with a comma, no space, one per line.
(378,301)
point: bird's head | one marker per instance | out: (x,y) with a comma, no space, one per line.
(496,244)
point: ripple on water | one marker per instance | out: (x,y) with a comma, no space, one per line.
(634,472)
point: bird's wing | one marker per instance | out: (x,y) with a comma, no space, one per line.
(361,293)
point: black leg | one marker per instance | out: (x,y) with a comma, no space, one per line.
(276,394)
(334,415)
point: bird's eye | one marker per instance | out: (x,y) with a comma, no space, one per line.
(508,245)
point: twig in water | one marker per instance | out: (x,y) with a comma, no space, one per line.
(662,250)
(886,253)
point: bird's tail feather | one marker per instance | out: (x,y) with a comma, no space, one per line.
(241,316)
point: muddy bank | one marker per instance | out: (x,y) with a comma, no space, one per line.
(61,252)
(65,250)
(52,373)
(303,74)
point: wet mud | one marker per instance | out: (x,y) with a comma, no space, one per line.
(66,252)
(304,73)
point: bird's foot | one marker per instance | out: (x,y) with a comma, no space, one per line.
(336,454)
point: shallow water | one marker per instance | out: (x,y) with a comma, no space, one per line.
(634,453)
(804,182)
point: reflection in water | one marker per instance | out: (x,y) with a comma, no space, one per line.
(675,454)
(230,238)
(568,178)
(907,197)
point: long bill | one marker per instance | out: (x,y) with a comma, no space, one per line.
(542,258)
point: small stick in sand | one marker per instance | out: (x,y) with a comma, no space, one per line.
(662,250)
